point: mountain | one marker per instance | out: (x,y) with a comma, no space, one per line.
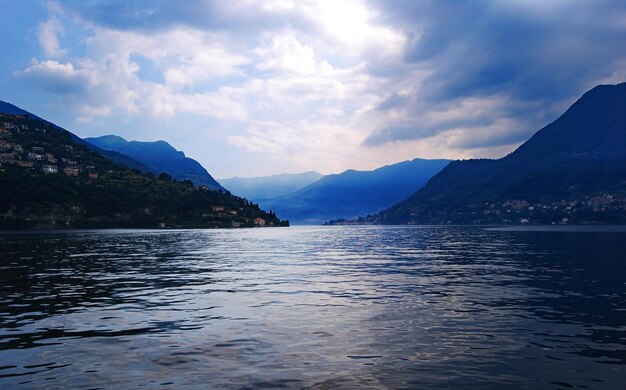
(571,171)
(123,159)
(353,193)
(8,108)
(160,157)
(50,178)
(255,188)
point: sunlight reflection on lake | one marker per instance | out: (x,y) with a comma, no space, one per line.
(313,307)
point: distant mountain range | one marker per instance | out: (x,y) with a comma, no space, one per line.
(158,156)
(265,187)
(353,193)
(307,198)
(571,171)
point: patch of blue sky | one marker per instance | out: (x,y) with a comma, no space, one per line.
(149,70)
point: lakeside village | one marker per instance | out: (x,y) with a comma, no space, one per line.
(589,210)
(585,210)
(37,158)
(51,159)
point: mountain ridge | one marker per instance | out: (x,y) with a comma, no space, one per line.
(272,186)
(53,179)
(116,157)
(575,159)
(159,156)
(352,193)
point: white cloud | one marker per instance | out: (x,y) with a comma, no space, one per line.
(253,143)
(57,77)
(48,35)
(190,56)
(223,103)
(286,53)
(324,84)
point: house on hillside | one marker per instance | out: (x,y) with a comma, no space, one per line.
(218,208)
(259,222)
(9,158)
(71,171)
(34,156)
(50,168)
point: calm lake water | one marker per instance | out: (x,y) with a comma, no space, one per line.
(314,307)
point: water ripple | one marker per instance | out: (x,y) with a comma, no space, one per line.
(315,308)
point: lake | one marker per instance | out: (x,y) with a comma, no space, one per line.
(315,308)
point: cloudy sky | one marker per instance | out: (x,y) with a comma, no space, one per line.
(261,87)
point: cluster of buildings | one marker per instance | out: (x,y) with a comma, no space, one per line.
(36,157)
(563,211)
(259,222)
(591,209)
(222,211)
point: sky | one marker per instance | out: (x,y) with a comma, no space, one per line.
(251,88)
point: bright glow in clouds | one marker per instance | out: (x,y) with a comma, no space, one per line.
(262,87)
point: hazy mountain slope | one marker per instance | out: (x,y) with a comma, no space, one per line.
(255,188)
(354,193)
(125,160)
(160,157)
(577,159)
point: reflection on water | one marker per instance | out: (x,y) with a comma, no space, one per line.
(318,308)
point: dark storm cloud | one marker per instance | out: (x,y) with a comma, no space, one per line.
(394,101)
(530,53)
(399,132)
(490,139)
(416,129)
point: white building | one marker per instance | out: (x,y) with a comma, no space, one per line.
(50,168)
